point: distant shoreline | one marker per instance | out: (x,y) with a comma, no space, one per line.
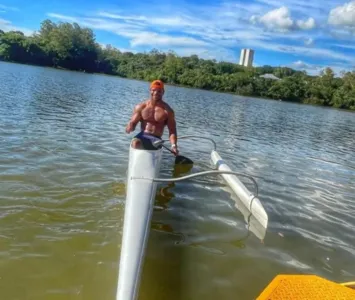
(69,47)
(182,86)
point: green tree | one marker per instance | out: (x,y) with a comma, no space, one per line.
(12,47)
(67,45)
(344,96)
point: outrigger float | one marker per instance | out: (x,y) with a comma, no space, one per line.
(143,171)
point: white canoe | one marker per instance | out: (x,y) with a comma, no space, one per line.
(246,197)
(140,196)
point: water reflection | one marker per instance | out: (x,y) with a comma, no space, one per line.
(164,264)
(68,108)
(164,195)
(252,224)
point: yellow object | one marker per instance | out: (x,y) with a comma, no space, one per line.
(305,287)
(350,284)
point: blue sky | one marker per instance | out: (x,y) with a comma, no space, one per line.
(302,34)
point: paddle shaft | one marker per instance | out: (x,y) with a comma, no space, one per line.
(179,159)
(168,149)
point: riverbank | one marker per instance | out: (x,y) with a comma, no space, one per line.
(86,55)
(180,85)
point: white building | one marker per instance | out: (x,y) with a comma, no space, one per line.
(246,57)
(270,76)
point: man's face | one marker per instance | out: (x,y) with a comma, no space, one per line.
(156,93)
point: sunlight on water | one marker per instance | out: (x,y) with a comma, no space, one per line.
(63,163)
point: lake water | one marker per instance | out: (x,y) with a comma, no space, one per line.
(63,161)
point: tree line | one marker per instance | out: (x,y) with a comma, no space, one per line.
(69,46)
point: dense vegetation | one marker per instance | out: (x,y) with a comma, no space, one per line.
(70,46)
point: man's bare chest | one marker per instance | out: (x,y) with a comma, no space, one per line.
(154,114)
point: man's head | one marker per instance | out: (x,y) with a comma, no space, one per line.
(157,90)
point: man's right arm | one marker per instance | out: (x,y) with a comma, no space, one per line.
(136,117)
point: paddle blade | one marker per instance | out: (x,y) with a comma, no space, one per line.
(182,160)
(180,169)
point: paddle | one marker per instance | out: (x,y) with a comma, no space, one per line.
(179,159)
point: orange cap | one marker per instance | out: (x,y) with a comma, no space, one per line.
(157,84)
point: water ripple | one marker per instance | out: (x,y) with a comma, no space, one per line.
(63,161)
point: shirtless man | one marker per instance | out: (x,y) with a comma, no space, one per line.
(153,114)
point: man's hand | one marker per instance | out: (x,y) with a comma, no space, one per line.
(172,130)
(129,127)
(175,149)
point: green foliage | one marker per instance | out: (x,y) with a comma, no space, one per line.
(70,46)
(344,96)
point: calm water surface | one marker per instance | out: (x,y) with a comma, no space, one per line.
(63,160)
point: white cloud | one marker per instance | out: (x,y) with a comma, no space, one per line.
(280,20)
(313,69)
(345,33)
(236,9)
(123,29)
(309,42)
(300,65)
(154,39)
(6,26)
(62,17)
(343,16)
(345,46)
(138,36)
(138,29)
(209,28)
(219,31)
(306,25)
(218,53)
(104,46)
(6,8)
(304,7)
(277,19)
(175,21)
(304,51)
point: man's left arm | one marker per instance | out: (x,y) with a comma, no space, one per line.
(172,130)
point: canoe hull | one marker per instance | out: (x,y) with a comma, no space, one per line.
(246,197)
(140,196)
